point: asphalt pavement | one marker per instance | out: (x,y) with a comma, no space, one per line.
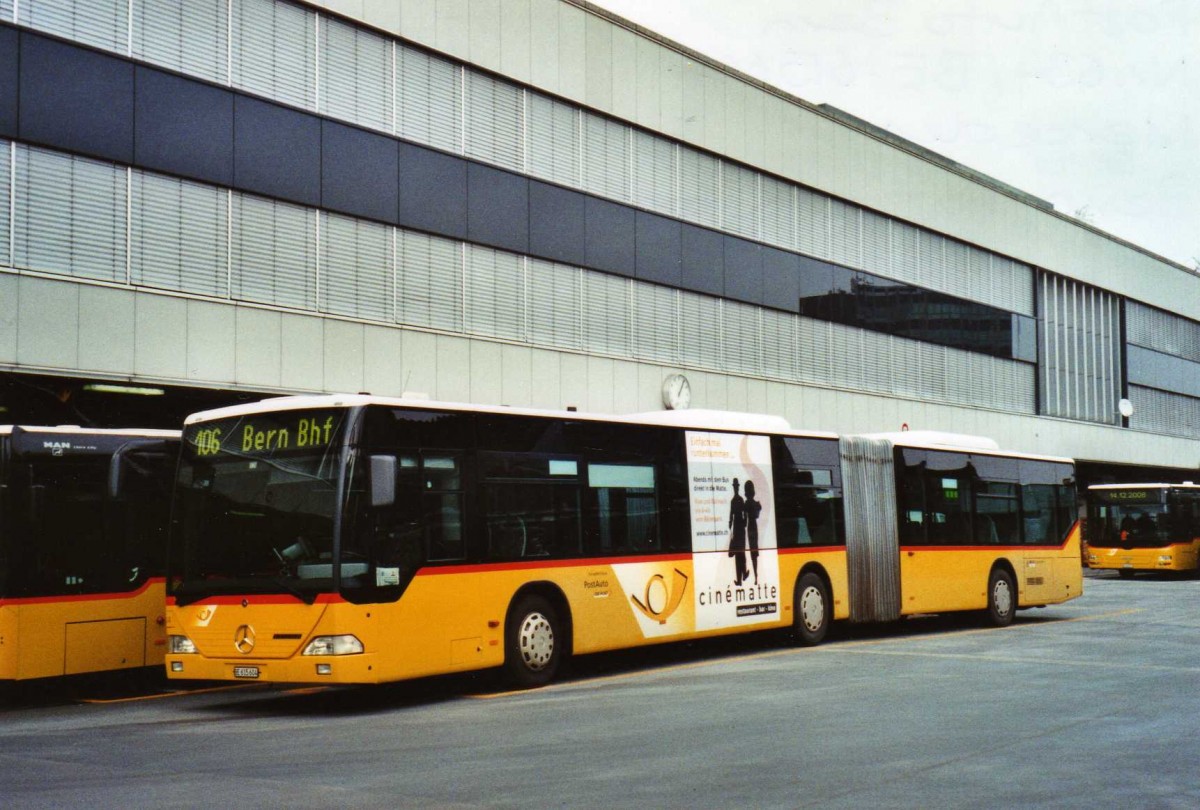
(1091,703)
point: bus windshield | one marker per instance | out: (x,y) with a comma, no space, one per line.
(1129,525)
(255,501)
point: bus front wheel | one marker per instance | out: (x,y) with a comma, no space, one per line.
(1002,598)
(533,642)
(811,610)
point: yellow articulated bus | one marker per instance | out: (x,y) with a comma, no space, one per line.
(1144,527)
(355,539)
(83,520)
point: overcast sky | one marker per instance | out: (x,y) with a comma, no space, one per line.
(1093,105)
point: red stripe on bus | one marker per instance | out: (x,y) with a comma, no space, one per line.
(81,597)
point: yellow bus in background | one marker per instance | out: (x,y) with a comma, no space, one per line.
(1143,527)
(83,518)
(358,539)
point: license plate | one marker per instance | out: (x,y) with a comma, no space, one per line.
(245,672)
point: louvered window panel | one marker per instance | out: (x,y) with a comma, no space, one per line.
(700,187)
(959,279)
(495,123)
(779,344)
(180,235)
(606,316)
(739,200)
(908,378)
(495,293)
(1018,284)
(656,322)
(428,99)
(778,212)
(932,271)
(274,51)
(274,253)
(70,215)
(355,275)
(845,229)
(1161,412)
(876,243)
(191,37)
(554,305)
(812,357)
(700,333)
(605,157)
(742,337)
(554,140)
(1162,331)
(5,201)
(845,356)
(655,173)
(906,252)
(812,223)
(934,371)
(6,10)
(101,23)
(356,75)
(429,279)
(875,365)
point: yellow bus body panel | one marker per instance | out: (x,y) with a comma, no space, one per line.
(453,619)
(1175,557)
(938,580)
(48,637)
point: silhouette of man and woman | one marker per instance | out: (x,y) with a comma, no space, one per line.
(743,535)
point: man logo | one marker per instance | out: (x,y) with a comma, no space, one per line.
(243,639)
(660,602)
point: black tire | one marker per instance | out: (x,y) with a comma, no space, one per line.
(812,611)
(1125,573)
(1002,598)
(533,642)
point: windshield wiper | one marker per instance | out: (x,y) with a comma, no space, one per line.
(307,597)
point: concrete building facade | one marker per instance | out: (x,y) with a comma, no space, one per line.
(536,203)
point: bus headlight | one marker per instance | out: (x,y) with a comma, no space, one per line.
(181,645)
(334,645)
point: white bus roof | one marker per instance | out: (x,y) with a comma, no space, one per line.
(76,430)
(958,442)
(698,419)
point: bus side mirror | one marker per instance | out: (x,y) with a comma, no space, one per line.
(383,480)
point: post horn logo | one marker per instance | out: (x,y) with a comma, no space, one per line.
(243,639)
(661,601)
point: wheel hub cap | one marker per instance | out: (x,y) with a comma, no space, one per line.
(537,641)
(812,609)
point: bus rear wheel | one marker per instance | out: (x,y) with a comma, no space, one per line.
(810,610)
(1002,598)
(533,642)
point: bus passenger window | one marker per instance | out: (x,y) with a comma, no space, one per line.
(1037,504)
(996,514)
(532,519)
(949,507)
(622,509)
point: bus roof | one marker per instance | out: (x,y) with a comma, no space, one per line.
(957,442)
(698,419)
(76,430)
